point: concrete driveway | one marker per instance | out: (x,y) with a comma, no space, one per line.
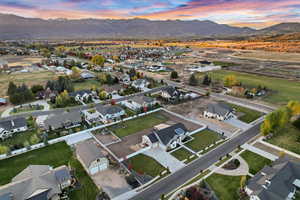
(238,123)
(113,183)
(164,158)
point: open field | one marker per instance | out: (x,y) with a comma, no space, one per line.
(288,138)
(54,155)
(202,139)
(145,165)
(181,154)
(21,60)
(255,161)
(282,90)
(28,78)
(249,114)
(138,124)
(225,187)
(87,85)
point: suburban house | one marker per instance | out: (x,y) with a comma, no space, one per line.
(82,95)
(167,137)
(140,84)
(91,156)
(87,75)
(66,120)
(9,127)
(220,111)
(112,89)
(170,93)
(103,113)
(37,182)
(138,102)
(277,182)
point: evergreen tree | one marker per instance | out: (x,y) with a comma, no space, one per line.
(193,80)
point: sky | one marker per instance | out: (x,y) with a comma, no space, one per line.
(251,13)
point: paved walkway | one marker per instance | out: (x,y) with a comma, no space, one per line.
(243,169)
(165,159)
(44,103)
(259,152)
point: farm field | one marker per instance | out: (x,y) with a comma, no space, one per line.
(282,90)
(29,79)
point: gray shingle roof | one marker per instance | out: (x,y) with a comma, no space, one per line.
(80,92)
(219,108)
(58,121)
(88,151)
(13,124)
(143,99)
(167,134)
(104,110)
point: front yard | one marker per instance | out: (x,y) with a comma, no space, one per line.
(138,124)
(288,138)
(54,155)
(145,165)
(255,161)
(249,114)
(181,154)
(202,139)
(225,187)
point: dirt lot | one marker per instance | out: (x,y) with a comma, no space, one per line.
(131,143)
(21,60)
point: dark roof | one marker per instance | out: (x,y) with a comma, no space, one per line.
(13,124)
(172,91)
(167,134)
(281,177)
(58,121)
(40,196)
(104,110)
(152,137)
(219,108)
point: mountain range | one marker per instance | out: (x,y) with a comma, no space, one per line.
(16,27)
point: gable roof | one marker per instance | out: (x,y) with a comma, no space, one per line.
(58,121)
(13,124)
(167,134)
(104,110)
(281,177)
(172,91)
(80,93)
(142,99)
(88,151)
(36,182)
(219,108)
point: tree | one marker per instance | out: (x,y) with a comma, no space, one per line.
(294,106)
(230,81)
(174,75)
(265,127)
(3,149)
(75,73)
(12,88)
(98,60)
(36,88)
(34,139)
(63,99)
(102,95)
(193,80)
(45,52)
(243,182)
(206,80)
(102,78)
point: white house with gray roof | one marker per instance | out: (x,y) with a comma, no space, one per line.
(220,111)
(91,156)
(141,84)
(65,120)
(277,182)
(10,127)
(37,182)
(138,102)
(103,113)
(167,138)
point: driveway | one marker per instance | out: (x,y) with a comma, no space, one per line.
(113,183)
(165,159)
(238,123)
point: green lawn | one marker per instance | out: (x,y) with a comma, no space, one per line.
(145,165)
(18,138)
(288,138)
(249,114)
(284,90)
(54,155)
(87,85)
(181,154)
(138,124)
(223,160)
(255,161)
(202,139)
(225,187)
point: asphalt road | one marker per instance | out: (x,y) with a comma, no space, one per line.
(77,108)
(173,181)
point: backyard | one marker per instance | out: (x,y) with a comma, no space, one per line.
(225,187)
(202,139)
(54,155)
(145,165)
(18,139)
(282,90)
(86,85)
(249,115)
(288,138)
(255,161)
(138,124)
